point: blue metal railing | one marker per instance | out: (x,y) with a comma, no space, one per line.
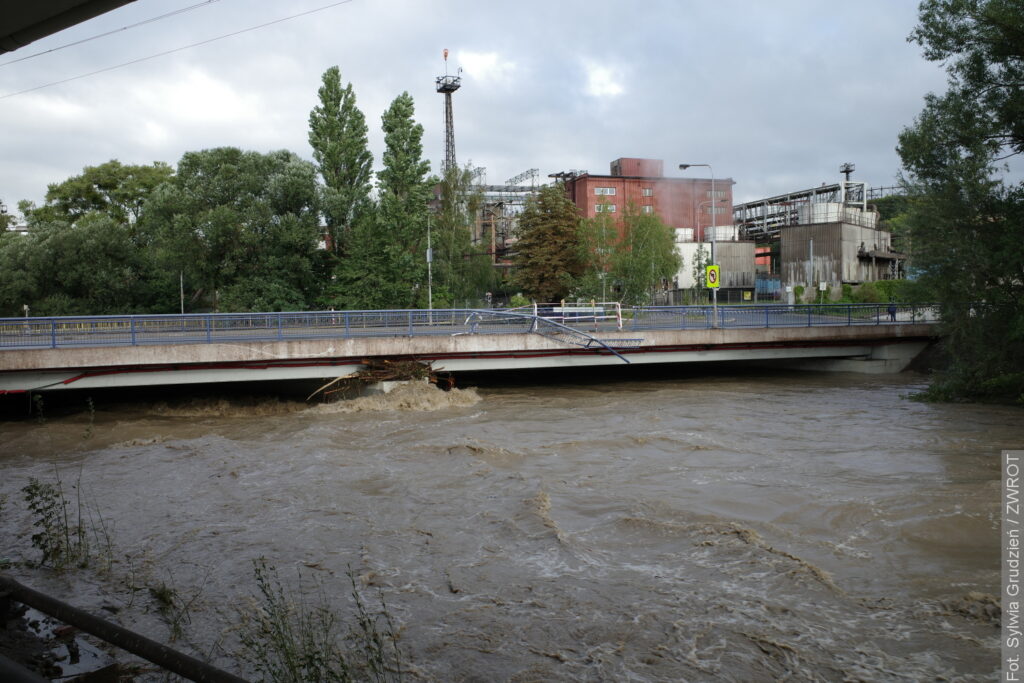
(138,330)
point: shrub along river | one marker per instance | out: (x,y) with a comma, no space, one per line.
(756,527)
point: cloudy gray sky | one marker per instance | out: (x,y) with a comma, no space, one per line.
(773,94)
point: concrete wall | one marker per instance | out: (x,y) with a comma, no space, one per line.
(834,259)
(735,258)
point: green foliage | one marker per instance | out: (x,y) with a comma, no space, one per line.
(242,228)
(597,238)
(966,220)
(111,189)
(66,536)
(337,134)
(645,256)
(6,219)
(83,253)
(547,254)
(699,263)
(869,293)
(386,261)
(462,270)
(518,301)
(798,293)
(288,640)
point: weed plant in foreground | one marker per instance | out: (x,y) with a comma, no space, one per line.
(70,533)
(289,640)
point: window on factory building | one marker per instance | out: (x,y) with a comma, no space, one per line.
(604,190)
(647,209)
(604,208)
(647,192)
(718,209)
(718,194)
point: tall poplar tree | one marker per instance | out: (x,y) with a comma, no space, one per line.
(386,264)
(337,134)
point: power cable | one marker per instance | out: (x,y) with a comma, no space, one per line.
(109,33)
(177,49)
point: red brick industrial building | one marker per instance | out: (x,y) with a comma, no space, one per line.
(682,203)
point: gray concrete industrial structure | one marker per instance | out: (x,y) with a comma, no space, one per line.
(825,236)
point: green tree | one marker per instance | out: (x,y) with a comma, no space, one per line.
(337,134)
(547,252)
(241,228)
(462,270)
(699,263)
(6,219)
(645,256)
(117,190)
(966,218)
(386,263)
(20,278)
(597,239)
(83,253)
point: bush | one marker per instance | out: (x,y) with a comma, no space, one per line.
(867,293)
(518,301)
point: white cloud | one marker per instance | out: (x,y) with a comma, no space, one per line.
(603,81)
(487,67)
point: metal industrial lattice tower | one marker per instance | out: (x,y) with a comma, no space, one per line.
(447,85)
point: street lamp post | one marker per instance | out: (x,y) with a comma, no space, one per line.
(714,237)
(430,273)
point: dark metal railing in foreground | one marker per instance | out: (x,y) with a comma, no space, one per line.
(138,330)
(158,653)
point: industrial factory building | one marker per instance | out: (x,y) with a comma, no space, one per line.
(683,203)
(825,236)
(694,207)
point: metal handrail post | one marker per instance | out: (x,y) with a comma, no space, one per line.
(810,310)
(849,315)
(131,323)
(280,332)
(348,332)
(209,329)
(53,333)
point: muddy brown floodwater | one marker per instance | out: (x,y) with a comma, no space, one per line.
(751,528)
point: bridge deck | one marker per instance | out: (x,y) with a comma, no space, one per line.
(49,353)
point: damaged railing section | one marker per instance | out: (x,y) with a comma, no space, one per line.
(558,332)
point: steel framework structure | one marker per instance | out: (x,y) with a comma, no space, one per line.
(446,85)
(762,220)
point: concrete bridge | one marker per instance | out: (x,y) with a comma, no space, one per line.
(47,354)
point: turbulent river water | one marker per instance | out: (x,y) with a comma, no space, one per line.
(756,527)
